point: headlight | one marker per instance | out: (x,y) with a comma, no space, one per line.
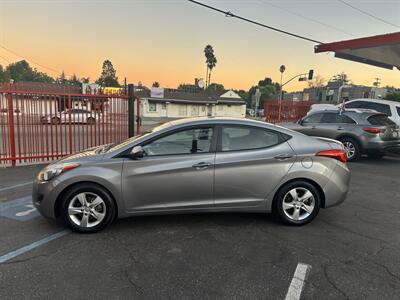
(52,171)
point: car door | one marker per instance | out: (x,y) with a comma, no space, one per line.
(176,172)
(249,164)
(309,125)
(334,124)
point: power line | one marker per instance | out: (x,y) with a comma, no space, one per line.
(30,60)
(306,17)
(229,14)
(368,14)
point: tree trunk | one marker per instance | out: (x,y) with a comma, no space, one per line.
(209,77)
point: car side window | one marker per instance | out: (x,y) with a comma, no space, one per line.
(190,141)
(398,110)
(355,104)
(337,119)
(315,118)
(236,138)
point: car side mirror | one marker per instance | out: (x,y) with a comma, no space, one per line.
(137,152)
(300,122)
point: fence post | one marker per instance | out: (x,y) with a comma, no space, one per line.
(11,127)
(131,110)
(138,119)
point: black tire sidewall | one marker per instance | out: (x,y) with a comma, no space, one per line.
(277,204)
(357,154)
(87,187)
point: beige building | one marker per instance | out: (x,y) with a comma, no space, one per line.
(173,104)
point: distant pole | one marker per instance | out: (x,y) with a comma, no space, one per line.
(281,69)
(131,110)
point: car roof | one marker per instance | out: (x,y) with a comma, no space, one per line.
(375,101)
(216,120)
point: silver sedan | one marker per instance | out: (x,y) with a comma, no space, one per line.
(196,165)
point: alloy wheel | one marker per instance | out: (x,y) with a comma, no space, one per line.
(87,209)
(298,204)
(350,149)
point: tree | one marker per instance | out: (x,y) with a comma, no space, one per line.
(22,71)
(268,90)
(85,79)
(393,96)
(156,84)
(211,62)
(318,82)
(342,78)
(108,76)
(216,88)
(74,80)
(62,79)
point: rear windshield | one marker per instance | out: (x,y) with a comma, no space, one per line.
(380,120)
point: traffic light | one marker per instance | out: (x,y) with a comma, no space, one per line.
(310,74)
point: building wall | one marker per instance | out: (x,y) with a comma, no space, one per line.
(187,110)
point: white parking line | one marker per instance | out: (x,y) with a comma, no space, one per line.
(34,245)
(15,186)
(297,284)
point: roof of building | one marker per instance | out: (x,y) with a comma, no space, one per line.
(176,96)
(380,50)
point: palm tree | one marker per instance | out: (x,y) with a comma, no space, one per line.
(211,62)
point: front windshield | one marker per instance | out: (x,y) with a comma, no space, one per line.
(131,139)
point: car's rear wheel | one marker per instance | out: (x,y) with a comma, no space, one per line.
(55,120)
(297,203)
(352,148)
(87,208)
(91,120)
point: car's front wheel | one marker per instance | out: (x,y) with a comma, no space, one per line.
(297,203)
(88,208)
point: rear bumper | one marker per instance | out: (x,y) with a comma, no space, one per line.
(382,146)
(337,187)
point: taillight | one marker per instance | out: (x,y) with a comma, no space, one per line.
(340,155)
(374,130)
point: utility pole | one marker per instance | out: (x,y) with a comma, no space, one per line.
(131,110)
(377,82)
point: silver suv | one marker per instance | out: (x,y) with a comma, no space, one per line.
(361,132)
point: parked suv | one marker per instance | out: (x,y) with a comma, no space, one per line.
(361,132)
(390,108)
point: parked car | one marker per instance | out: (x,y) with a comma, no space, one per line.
(390,108)
(74,116)
(361,132)
(196,165)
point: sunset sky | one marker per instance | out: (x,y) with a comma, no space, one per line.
(164,40)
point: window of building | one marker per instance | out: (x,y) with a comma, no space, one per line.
(183,110)
(246,138)
(152,107)
(190,141)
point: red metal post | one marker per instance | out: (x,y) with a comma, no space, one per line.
(11,126)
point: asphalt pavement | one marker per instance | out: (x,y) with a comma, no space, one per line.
(352,250)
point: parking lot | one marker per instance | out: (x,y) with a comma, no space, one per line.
(352,251)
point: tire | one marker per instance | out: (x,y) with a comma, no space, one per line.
(55,121)
(285,205)
(91,120)
(352,148)
(81,215)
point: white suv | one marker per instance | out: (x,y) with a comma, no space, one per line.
(390,108)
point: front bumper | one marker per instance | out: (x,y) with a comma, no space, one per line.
(44,196)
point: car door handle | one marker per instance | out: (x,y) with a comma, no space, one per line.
(312,127)
(283,156)
(202,165)
(340,128)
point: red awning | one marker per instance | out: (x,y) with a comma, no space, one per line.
(380,50)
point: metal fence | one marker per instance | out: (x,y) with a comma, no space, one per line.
(285,111)
(44,122)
